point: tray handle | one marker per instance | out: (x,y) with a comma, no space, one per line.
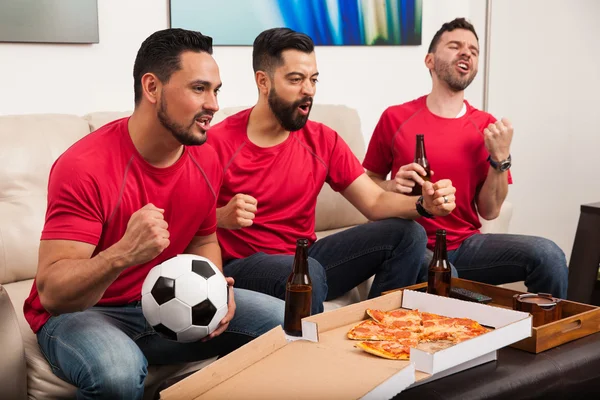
(571,326)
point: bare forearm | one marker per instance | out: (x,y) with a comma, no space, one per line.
(492,194)
(220,217)
(382,183)
(376,204)
(391,205)
(72,285)
(209,249)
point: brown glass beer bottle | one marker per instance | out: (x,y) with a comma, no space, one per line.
(440,274)
(298,293)
(421,159)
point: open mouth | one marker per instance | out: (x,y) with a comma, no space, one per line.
(204,122)
(463,66)
(304,108)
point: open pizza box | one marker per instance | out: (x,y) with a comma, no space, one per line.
(325,363)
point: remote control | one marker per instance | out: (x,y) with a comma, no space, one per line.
(464,294)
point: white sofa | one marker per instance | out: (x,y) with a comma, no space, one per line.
(30,144)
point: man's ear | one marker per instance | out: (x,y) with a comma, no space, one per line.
(263,82)
(429,61)
(151,86)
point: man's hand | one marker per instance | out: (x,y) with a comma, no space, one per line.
(230,313)
(438,198)
(406,178)
(498,137)
(146,235)
(238,213)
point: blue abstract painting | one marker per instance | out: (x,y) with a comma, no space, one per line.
(327,22)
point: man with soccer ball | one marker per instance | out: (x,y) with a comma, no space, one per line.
(122,200)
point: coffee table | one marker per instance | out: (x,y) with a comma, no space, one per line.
(570,371)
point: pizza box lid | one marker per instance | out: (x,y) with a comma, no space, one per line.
(325,364)
(273,367)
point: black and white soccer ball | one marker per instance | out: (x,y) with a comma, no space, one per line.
(184,298)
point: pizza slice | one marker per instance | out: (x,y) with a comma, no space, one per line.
(468,329)
(393,350)
(400,318)
(372,330)
(440,328)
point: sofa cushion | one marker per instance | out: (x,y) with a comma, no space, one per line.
(30,145)
(13,379)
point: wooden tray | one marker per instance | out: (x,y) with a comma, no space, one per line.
(578,319)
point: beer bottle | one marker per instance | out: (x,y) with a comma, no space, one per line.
(421,159)
(298,291)
(439,270)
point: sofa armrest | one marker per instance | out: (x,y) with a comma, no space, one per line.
(500,224)
(13,372)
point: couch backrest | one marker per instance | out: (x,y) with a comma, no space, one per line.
(31,144)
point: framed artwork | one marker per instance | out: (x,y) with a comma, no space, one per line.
(49,21)
(327,22)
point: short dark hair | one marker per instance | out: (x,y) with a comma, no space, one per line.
(457,23)
(269,44)
(160,54)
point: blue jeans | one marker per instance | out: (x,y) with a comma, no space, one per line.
(390,249)
(501,258)
(105,351)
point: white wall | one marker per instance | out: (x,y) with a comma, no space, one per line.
(544,76)
(42,78)
(77,79)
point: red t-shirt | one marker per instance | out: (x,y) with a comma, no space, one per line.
(285,179)
(455,149)
(100,181)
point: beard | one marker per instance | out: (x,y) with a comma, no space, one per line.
(445,71)
(287,113)
(183,134)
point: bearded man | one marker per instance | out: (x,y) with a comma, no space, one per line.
(275,162)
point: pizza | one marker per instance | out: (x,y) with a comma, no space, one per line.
(401,318)
(373,330)
(391,334)
(392,349)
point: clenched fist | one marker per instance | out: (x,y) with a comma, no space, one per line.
(146,235)
(238,213)
(498,137)
(438,198)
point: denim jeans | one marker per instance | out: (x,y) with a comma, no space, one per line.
(391,249)
(105,351)
(501,258)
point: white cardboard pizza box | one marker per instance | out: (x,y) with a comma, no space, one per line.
(271,367)
(509,327)
(325,364)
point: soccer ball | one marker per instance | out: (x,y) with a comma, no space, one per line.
(184,298)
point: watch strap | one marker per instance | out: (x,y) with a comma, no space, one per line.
(421,210)
(497,164)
